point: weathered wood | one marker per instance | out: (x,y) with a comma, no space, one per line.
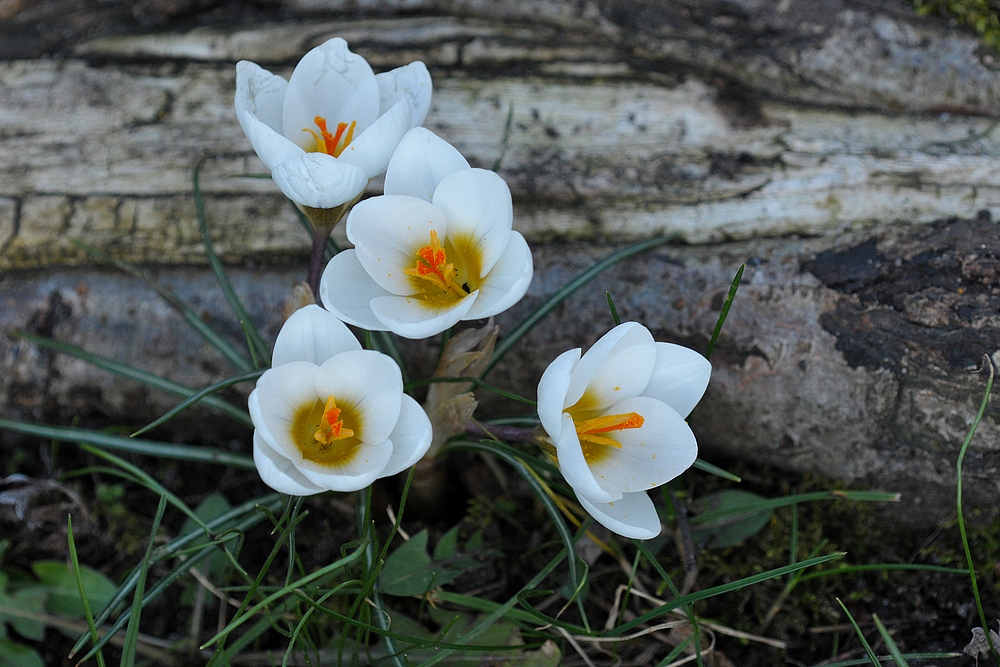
(818,142)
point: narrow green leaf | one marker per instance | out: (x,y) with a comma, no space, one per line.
(582,279)
(890,644)
(887,658)
(135,445)
(194,398)
(82,589)
(881,567)
(611,306)
(784,501)
(253,336)
(724,313)
(132,631)
(473,381)
(705,466)
(138,375)
(872,658)
(185,311)
(720,590)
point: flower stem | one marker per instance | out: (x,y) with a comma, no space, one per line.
(512,433)
(320,235)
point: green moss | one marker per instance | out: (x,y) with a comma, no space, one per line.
(980,15)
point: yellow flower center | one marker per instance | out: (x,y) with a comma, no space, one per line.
(440,279)
(331,143)
(320,431)
(594,431)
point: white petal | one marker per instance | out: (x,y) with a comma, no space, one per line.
(388,231)
(333,83)
(314,335)
(507,281)
(411,83)
(319,180)
(270,146)
(260,93)
(618,366)
(410,438)
(478,207)
(632,516)
(368,382)
(415,318)
(421,161)
(347,290)
(574,468)
(552,392)
(278,472)
(361,470)
(662,448)
(280,392)
(680,377)
(371,151)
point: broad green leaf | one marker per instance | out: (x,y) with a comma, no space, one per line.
(61,585)
(31,600)
(410,571)
(15,655)
(447,546)
(733,528)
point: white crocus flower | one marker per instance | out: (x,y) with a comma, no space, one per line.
(329,415)
(437,248)
(333,125)
(616,416)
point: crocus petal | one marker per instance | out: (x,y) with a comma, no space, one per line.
(347,290)
(278,472)
(319,180)
(618,366)
(506,282)
(260,93)
(387,232)
(552,392)
(574,466)
(631,516)
(314,335)
(271,147)
(651,455)
(410,82)
(415,318)
(421,161)
(356,473)
(370,152)
(368,382)
(478,207)
(279,393)
(680,377)
(331,82)
(411,437)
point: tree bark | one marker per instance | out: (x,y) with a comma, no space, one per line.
(844,150)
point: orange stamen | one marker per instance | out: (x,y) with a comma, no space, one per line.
(331,143)
(433,266)
(331,427)
(590,429)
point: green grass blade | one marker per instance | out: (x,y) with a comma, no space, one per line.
(194,398)
(872,658)
(132,632)
(719,590)
(611,306)
(137,375)
(474,381)
(784,501)
(961,517)
(185,311)
(155,448)
(243,517)
(881,567)
(886,658)
(254,340)
(705,466)
(501,451)
(528,324)
(724,313)
(890,644)
(94,637)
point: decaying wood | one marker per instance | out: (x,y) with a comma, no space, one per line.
(818,142)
